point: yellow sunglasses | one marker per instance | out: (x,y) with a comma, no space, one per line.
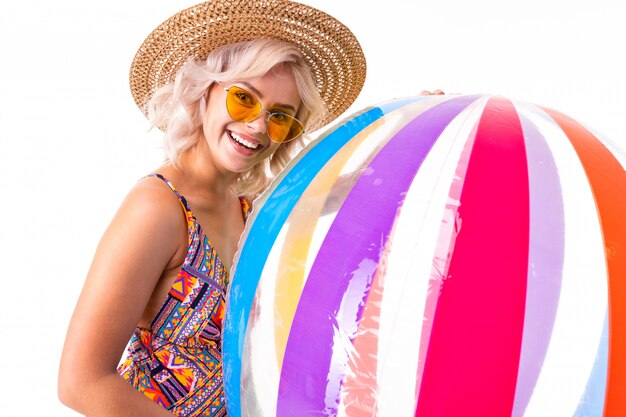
(244,106)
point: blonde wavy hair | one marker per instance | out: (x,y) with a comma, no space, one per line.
(178,107)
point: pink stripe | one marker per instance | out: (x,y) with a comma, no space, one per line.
(473,356)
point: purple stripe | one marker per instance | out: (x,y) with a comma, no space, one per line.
(545,267)
(335,292)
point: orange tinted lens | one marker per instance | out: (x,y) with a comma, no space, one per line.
(282,127)
(242,105)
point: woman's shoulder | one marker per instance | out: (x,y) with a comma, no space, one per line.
(155,193)
(151,203)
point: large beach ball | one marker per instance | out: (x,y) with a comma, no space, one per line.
(435,256)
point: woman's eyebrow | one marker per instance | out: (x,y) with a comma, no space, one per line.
(251,87)
(259,95)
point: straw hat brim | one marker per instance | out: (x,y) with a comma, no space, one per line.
(331,50)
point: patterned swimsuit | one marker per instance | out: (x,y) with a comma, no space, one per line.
(178,361)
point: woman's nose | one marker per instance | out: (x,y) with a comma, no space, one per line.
(259,124)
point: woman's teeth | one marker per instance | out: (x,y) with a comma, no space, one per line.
(243,142)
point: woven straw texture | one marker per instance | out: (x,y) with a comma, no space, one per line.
(332,51)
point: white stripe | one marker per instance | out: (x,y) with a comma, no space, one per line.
(356,164)
(410,264)
(260,375)
(583,300)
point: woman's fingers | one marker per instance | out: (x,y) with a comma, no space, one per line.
(436,92)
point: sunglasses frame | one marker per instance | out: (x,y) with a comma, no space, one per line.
(270,113)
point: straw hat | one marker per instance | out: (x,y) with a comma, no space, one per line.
(331,50)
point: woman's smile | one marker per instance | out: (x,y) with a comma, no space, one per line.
(243,143)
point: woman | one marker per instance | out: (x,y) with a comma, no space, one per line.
(233,84)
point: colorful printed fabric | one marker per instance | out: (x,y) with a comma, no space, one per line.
(178,361)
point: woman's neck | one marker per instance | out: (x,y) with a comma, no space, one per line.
(198,173)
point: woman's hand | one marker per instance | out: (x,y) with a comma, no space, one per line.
(436,92)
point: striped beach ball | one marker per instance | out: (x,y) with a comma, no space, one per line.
(435,256)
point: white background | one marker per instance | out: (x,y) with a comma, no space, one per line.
(73,142)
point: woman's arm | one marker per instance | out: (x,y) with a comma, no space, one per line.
(146,237)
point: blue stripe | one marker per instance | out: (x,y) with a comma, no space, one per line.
(592,402)
(263,232)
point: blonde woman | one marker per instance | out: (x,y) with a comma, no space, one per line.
(234,85)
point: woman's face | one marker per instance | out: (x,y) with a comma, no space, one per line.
(238,146)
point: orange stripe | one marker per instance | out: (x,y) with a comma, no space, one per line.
(608,182)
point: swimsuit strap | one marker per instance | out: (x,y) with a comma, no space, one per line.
(246,206)
(192,225)
(182,199)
